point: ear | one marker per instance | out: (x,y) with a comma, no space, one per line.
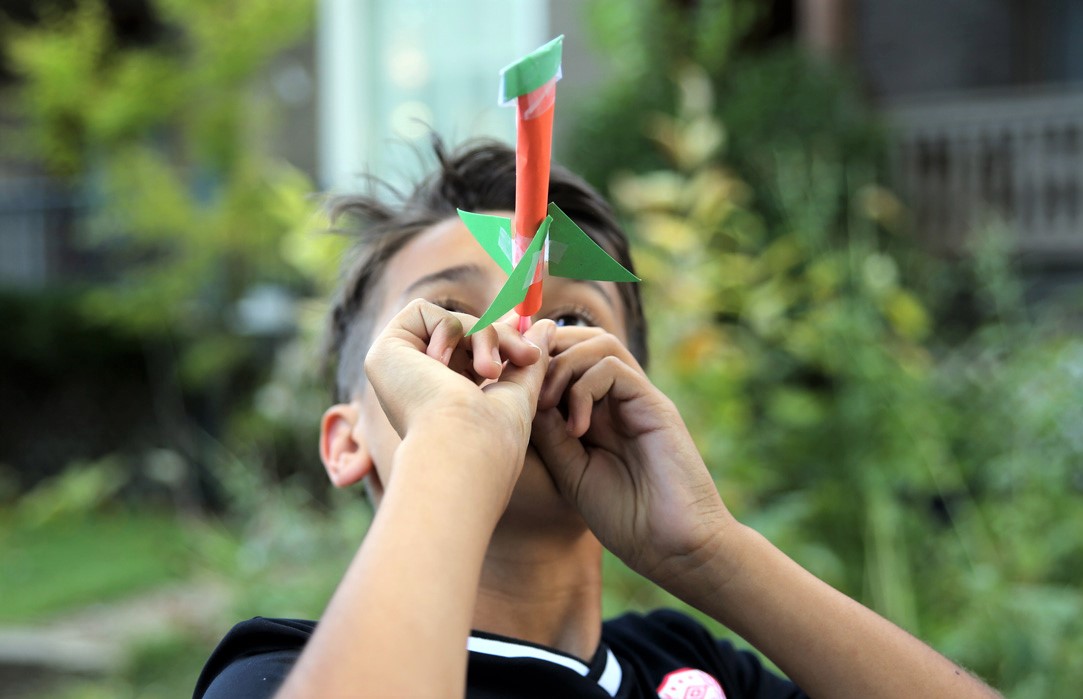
(343,452)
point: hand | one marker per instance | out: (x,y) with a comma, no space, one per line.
(624,456)
(490,391)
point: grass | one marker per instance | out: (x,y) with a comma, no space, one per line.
(77,560)
(284,561)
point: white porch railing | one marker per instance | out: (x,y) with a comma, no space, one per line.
(1014,155)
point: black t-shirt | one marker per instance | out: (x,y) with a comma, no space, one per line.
(662,654)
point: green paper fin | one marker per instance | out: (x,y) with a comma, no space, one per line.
(514,290)
(573,255)
(531,72)
(493,233)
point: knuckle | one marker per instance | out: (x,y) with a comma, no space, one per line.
(375,351)
(416,305)
(611,362)
(453,321)
(603,342)
(548,321)
(465,319)
(613,343)
(373,359)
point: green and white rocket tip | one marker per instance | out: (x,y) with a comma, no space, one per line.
(532,71)
(559,244)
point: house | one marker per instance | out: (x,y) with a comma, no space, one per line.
(985,101)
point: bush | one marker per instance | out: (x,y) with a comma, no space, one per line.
(929,468)
(199,221)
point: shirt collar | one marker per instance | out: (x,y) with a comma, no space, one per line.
(603,669)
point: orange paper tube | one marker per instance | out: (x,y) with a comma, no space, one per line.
(533,152)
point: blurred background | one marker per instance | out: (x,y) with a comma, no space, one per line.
(860,223)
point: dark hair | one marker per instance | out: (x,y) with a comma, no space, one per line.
(480,176)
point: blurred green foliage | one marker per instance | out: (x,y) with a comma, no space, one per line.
(82,488)
(933,472)
(781,116)
(170,139)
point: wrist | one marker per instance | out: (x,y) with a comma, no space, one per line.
(713,565)
(451,463)
(467,428)
(461,435)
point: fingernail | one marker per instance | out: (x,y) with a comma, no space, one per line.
(496,356)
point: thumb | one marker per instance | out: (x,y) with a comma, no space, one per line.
(563,455)
(528,379)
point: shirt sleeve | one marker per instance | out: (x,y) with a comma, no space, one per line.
(253,659)
(252,677)
(743,669)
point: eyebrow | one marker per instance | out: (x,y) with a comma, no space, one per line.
(458,273)
(461,273)
(593,285)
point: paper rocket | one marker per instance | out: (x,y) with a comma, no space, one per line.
(541,240)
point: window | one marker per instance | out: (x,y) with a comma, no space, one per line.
(391,69)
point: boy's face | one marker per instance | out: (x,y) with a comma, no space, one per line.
(445,265)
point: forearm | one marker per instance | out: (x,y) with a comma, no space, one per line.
(398,622)
(830,645)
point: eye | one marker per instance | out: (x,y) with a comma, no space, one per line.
(571,320)
(573,317)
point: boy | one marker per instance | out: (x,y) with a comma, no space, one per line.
(501,464)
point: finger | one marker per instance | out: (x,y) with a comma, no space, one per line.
(563,455)
(437,329)
(570,364)
(426,327)
(568,336)
(485,347)
(527,380)
(609,377)
(490,347)
(462,362)
(545,338)
(516,347)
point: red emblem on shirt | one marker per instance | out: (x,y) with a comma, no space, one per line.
(687,683)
